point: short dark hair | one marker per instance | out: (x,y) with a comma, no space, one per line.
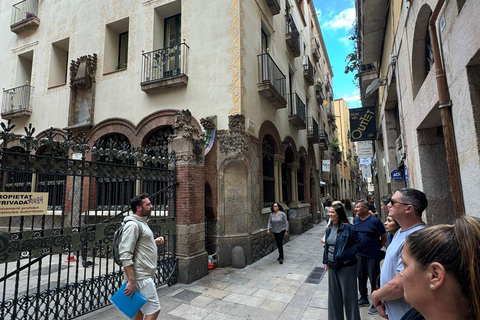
(386,199)
(364,203)
(417,198)
(370,196)
(279,206)
(137,201)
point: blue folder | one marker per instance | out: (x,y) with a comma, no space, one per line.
(128,305)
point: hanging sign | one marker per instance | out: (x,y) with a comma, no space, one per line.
(325,165)
(363,124)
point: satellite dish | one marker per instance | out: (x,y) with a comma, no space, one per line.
(377,83)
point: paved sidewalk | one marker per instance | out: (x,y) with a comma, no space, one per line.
(265,289)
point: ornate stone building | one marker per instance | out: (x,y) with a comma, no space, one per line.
(241,90)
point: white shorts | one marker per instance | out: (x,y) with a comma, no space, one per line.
(147,288)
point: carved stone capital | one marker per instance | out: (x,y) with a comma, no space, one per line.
(278,158)
(183,126)
(235,140)
(82,72)
(209,123)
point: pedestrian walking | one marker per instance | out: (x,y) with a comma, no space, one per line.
(406,207)
(278,222)
(339,258)
(138,253)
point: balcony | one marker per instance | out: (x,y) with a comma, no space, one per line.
(307,70)
(329,90)
(319,95)
(164,68)
(292,37)
(312,130)
(274,6)
(315,50)
(297,115)
(16,102)
(337,155)
(24,16)
(368,73)
(271,81)
(323,140)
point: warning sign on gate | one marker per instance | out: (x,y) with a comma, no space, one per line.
(23,203)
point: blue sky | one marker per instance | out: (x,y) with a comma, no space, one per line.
(336,18)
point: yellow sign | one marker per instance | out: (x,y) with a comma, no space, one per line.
(23,203)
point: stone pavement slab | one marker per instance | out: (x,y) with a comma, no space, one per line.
(264,290)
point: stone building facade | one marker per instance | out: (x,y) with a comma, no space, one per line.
(239,89)
(424,83)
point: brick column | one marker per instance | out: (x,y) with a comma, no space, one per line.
(190,202)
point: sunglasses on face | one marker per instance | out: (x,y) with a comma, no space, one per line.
(392,202)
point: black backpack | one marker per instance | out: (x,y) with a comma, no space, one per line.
(117,238)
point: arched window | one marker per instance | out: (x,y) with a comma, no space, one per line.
(422,54)
(113,189)
(52,183)
(18,181)
(268,172)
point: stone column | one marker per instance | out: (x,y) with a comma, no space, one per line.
(190,206)
(293,170)
(277,164)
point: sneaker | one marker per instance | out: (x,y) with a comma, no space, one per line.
(372,310)
(281,261)
(363,302)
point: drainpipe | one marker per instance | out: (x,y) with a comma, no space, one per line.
(445,106)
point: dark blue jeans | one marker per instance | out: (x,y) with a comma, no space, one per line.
(279,240)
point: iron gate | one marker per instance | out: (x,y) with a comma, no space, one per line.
(60,265)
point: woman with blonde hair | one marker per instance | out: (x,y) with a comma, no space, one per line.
(441,275)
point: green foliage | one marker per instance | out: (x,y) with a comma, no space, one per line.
(353,58)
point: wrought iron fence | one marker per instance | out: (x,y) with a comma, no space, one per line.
(323,137)
(297,107)
(16,99)
(268,71)
(307,66)
(312,126)
(59,265)
(291,29)
(24,10)
(164,63)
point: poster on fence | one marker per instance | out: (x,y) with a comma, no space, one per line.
(23,203)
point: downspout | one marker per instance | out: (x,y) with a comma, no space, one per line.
(445,106)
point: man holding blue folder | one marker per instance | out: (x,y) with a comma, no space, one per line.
(138,253)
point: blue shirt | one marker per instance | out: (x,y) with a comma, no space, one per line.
(369,231)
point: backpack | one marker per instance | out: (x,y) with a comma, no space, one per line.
(117,239)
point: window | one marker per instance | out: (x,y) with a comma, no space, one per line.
(116,46)
(24,68)
(58,63)
(264,41)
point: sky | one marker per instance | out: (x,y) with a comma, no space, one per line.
(336,19)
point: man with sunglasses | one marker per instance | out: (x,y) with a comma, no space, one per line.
(406,207)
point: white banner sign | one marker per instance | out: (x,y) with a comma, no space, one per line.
(325,165)
(23,203)
(366,171)
(365,149)
(365,160)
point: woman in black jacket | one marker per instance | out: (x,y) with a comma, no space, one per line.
(341,241)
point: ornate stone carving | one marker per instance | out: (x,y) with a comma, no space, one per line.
(208,123)
(82,72)
(183,125)
(235,140)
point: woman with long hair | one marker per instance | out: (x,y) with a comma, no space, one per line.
(441,274)
(278,222)
(339,259)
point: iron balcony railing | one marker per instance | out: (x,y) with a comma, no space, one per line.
(308,68)
(323,137)
(313,127)
(16,99)
(291,29)
(297,107)
(270,72)
(164,63)
(24,10)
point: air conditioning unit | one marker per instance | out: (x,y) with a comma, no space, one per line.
(392,59)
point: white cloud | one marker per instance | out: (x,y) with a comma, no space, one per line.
(355,96)
(344,19)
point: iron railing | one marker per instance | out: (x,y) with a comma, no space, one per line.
(164,63)
(16,99)
(59,265)
(268,71)
(312,126)
(297,107)
(308,67)
(291,29)
(24,10)
(323,137)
